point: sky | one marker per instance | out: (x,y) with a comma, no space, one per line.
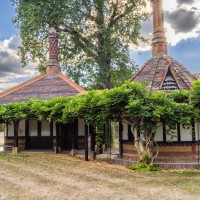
(182,27)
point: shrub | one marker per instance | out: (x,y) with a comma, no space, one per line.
(143,167)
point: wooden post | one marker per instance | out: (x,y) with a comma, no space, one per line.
(193,131)
(76,134)
(120,140)
(74,139)
(92,154)
(164,133)
(57,148)
(39,126)
(179,132)
(26,133)
(51,132)
(16,127)
(86,142)
(104,134)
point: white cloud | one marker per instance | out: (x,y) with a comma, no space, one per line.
(11,71)
(175,29)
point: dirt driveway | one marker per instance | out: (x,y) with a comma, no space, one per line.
(48,176)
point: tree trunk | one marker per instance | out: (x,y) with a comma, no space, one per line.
(138,143)
(150,147)
(104,55)
(145,152)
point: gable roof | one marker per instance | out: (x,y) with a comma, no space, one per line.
(42,87)
(155,70)
(197,75)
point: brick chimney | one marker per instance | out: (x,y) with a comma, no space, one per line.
(53,66)
(159,42)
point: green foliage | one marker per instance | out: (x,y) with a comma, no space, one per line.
(99,136)
(195,99)
(130,101)
(15,111)
(144,158)
(1,127)
(180,96)
(195,94)
(110,135)
(143,167)
(94,36)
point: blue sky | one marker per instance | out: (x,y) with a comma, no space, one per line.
(182,25)
(7,11)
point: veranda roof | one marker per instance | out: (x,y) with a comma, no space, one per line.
(49,85)
(42,87)
(162,72)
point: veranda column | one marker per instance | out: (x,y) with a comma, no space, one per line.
(16,127)
(86,142)
(57,147)
(74,139)
(92,154)
(120,140)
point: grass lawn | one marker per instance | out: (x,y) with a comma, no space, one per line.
(50,176)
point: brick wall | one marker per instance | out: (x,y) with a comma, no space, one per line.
(167,154)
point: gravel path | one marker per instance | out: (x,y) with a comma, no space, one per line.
(49,176)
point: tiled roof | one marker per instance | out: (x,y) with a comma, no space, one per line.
(42,87)
(197,75)
(156,69)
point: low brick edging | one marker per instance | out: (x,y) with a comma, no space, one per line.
(124,162)
(178,165)
(161,165)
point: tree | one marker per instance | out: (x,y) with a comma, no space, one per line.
(94,36)
(195,99)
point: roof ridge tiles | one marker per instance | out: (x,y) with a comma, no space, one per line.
(184,69)
(155,72)
(141,69)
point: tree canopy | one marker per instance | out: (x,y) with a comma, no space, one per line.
(94,36)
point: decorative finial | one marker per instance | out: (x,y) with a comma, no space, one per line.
(159,42)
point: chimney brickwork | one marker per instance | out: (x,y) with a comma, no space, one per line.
(53,66)
(159,42)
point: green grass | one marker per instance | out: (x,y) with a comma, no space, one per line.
(13,156)
(185,173)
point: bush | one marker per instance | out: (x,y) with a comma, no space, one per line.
(143,167)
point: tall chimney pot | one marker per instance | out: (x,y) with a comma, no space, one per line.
(53,66)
